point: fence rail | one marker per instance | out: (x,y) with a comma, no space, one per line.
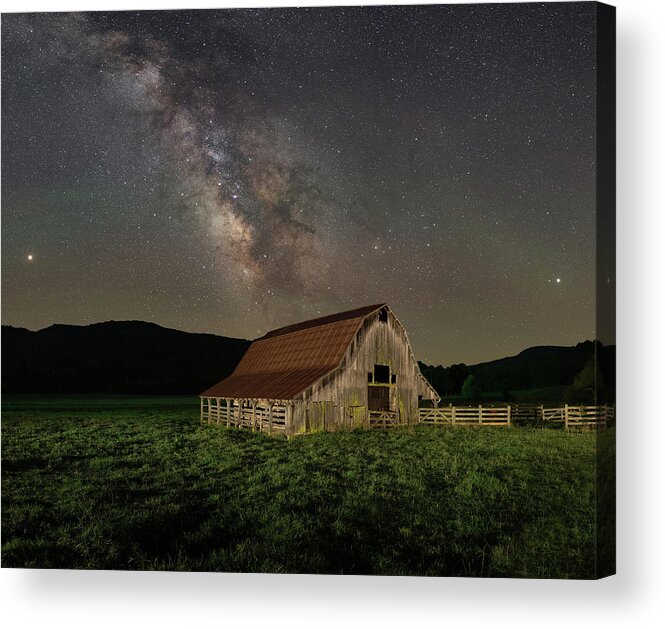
(467,415)
(243,414)
(277,417)
(578,416)
(383,419)
(526,414)
(570,417)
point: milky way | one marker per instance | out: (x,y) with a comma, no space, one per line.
(235,171)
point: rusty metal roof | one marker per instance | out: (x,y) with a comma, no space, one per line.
(283,363)
(311,323)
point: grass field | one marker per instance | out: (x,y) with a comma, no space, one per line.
(133,483)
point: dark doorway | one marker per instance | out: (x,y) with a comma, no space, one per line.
(378,398)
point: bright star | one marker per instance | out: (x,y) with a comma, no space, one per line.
(558,280)
(29,257)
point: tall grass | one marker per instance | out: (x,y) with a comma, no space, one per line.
(137,484)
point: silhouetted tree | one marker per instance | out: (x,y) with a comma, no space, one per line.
(457,375)
(471,387)
(588,385)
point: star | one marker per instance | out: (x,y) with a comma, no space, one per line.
(258,177)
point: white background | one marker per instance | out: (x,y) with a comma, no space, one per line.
(31,598)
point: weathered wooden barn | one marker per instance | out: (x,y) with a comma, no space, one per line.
(349,370)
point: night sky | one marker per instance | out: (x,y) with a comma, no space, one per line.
(236,171)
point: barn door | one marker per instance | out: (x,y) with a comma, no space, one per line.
(378,398)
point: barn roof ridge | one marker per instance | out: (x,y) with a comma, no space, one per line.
(319,321)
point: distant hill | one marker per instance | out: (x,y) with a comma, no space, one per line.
(123,357)
(546,367)
(134,357)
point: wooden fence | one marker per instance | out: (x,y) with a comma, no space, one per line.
(383,419)
(467,415)
(278,418)
(571,417)
(270,418)
(526,414)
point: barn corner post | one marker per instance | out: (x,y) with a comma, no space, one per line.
(288,423)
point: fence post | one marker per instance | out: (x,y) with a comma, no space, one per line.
(508,415)
(480,413)
(452,413)
(565,417)
(288,418)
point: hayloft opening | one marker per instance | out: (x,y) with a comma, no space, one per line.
(382,374)
(383,315)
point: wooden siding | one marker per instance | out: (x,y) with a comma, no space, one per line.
(376,343)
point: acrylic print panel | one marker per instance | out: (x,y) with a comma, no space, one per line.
(321,290)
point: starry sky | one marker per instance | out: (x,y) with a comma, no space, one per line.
(233,171)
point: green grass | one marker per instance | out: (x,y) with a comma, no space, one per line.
(133,483)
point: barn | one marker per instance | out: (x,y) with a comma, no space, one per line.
(349,370)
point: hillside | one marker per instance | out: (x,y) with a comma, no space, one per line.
(134,357)
(122,357)
(545,367)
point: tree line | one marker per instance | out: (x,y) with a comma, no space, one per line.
(583,373)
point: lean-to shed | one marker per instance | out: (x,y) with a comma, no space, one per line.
(349,370)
